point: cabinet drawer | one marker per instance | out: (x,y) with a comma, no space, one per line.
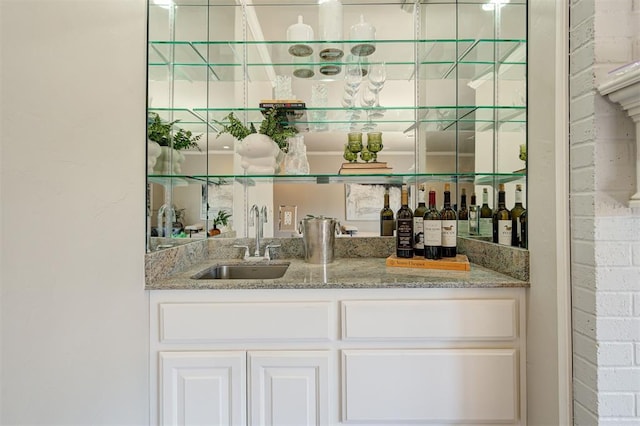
(208,322)
(459,319)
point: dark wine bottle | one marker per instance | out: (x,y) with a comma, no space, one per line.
(524,243)
(387,222)
(516,212)
(418,227)
(463,214)
(432,229)
(404,227)
(449,228)
(474,225)
(486,215)
(502,220)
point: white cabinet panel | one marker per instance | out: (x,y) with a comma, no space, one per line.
(449,386)
(203,388)
(289,388)
(196,322)
(454,319)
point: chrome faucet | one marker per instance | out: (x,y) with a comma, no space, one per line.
(257,222)
(258,219)
(167,225)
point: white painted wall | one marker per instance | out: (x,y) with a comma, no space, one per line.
(74,313)
(605,232)
(548,328)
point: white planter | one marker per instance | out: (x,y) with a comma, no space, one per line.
(169,162)
(153,152)
(258,154)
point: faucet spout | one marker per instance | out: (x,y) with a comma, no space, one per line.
(258,219)
(166,215)
(257,222)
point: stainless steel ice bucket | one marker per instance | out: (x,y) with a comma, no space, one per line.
(319,236)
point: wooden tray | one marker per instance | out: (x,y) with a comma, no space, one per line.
(458,263)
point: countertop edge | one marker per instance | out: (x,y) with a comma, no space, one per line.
(340,275)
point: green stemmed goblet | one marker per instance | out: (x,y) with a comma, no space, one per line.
(348,155)
(366,155)
(355,142)
(374,144)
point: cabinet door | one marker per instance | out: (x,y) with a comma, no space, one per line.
(289,388)
(203,388)
(467,386)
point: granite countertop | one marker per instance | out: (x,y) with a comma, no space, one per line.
(341,273)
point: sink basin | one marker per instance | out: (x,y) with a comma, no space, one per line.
(243,271)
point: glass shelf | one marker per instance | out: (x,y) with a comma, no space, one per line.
(281,3)
(438,59)
(382,179)
(433,118)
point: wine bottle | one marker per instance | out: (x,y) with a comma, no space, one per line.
(524,243)
(432,229)
(474,226)
(516,212)
(404,227)
(449,231)
(418,227)
(463,214)
(387,222)
(486,215)
(502,220)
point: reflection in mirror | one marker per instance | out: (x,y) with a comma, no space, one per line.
(445,86)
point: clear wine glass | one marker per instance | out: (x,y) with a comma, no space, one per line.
(352,78)
(350,114)
(367,99)
(377,77)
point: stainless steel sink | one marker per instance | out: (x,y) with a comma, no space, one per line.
(243,271)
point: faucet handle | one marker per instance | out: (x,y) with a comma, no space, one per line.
(246,251)
(254,214)
(267,250)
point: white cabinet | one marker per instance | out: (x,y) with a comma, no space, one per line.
(469,386)
(338,357)
(284,388)
(202,388)
(288,388)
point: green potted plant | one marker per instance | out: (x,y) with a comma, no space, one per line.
(166,137)
(271,126)
(160,131)
(261,150)
(222,218)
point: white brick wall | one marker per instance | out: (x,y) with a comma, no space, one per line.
(605,234)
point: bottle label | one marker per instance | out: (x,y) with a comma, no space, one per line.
(486,226)
(405,234)
(473,222)
(449,233)
(504,232)
(418,230)
(432,233)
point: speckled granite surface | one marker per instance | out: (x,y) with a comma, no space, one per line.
(343,273)
(163,263)
(359,263)
(511,261)
(293,248)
